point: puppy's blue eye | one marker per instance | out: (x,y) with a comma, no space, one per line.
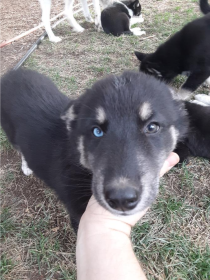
(98,132)
(152,128)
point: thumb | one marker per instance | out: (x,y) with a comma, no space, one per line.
(172,160)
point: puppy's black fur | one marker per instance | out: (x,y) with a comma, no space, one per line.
(111,141)
(187,51)
(115,19)
(197,141)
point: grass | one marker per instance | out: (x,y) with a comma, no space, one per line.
(6,265)
(163,243)
(4,143)
(172,241)
(7,224)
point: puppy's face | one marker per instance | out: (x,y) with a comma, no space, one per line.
(152,65)
(126,127)
(135,7)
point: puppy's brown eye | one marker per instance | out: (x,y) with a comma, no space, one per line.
(152,128)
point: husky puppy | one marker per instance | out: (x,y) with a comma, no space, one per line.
(110,142)
(68,12)
(197,140)
(186,51)
(117,18)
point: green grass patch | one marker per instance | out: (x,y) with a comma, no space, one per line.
(169,209)
(187,178)
(4,142)
(7,223)
(175,256)
(6,265)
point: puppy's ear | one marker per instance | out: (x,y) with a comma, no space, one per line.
(69,115)
(140,55)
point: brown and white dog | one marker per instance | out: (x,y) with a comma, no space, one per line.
(68,12)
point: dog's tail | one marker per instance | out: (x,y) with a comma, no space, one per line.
(204,6)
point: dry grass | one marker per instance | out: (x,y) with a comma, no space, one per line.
(173,238)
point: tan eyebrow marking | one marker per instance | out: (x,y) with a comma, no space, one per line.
(145,111)
(100,115)
(69,117)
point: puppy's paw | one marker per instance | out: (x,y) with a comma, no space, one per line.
(137,31)
(203,98)
(89,19)
(55,39)
(198,102)
(98,25)
(78,29)
(26,170)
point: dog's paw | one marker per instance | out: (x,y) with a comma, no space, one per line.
(89,19)
(137,31)
(98,25)
(55,39)
(198,102)
(78,29)
(26,170)
(203,99)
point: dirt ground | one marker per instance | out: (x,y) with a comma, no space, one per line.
(16,18)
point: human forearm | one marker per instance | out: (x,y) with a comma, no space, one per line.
(114,259)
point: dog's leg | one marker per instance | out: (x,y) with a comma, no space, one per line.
(45,6)
(86,11)
(69,14)
(195,80)
(97,14)
(137,31)
(26,170)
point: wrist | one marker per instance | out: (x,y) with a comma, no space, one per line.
(97,225)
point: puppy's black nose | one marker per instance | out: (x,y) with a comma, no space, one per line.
(122,199)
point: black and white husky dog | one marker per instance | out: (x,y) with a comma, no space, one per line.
(118,18)
(197,140)
(187,51)
(110,142)
(68,12)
